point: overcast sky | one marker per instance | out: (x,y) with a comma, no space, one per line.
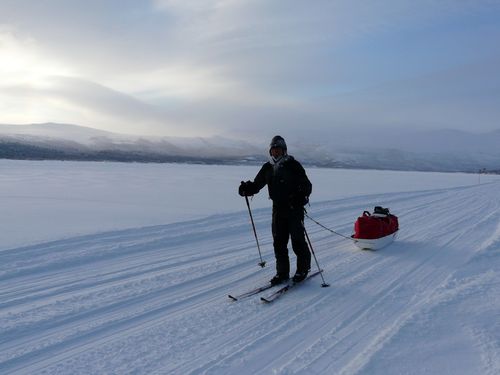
(246,67)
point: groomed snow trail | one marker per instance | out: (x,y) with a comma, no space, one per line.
(154,300)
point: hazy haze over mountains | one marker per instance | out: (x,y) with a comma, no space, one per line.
(442,150)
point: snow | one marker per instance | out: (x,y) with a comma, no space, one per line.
(109,268)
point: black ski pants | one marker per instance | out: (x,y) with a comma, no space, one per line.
(288,223)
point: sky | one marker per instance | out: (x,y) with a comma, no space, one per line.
(247,67)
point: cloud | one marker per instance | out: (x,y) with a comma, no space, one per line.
(226,66)
(73,100)
(24,61)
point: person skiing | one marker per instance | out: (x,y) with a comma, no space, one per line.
(289,189)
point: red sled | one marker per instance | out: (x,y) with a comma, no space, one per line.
(374,231)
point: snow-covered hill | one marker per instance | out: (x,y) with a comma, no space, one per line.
(52,141)
(353,148)
(153,300)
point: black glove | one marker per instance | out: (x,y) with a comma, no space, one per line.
(246,189)
(305,200)
(298,200)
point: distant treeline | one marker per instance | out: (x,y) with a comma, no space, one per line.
(21,151)
(26,151)
(487,171)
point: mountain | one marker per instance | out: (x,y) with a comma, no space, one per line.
(442,150)
(70,142)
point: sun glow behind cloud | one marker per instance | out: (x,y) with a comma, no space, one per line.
(36,87)
(25,75)
(23,64)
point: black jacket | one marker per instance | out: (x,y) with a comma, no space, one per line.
(286,181)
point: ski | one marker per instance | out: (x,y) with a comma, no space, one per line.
(250,292)
(278,293)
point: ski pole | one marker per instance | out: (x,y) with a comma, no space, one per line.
(262,263)
(324,285)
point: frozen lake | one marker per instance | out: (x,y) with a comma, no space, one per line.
(48,200)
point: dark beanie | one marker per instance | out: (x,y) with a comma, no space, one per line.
(277,141)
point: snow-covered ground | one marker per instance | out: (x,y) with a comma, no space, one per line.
(50,200)
(150,296)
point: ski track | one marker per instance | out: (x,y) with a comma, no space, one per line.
(154,300)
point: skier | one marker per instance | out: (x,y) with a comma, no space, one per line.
(289,189)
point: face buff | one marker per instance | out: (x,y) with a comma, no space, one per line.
(278,161)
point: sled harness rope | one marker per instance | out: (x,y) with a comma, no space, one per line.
(328,229)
